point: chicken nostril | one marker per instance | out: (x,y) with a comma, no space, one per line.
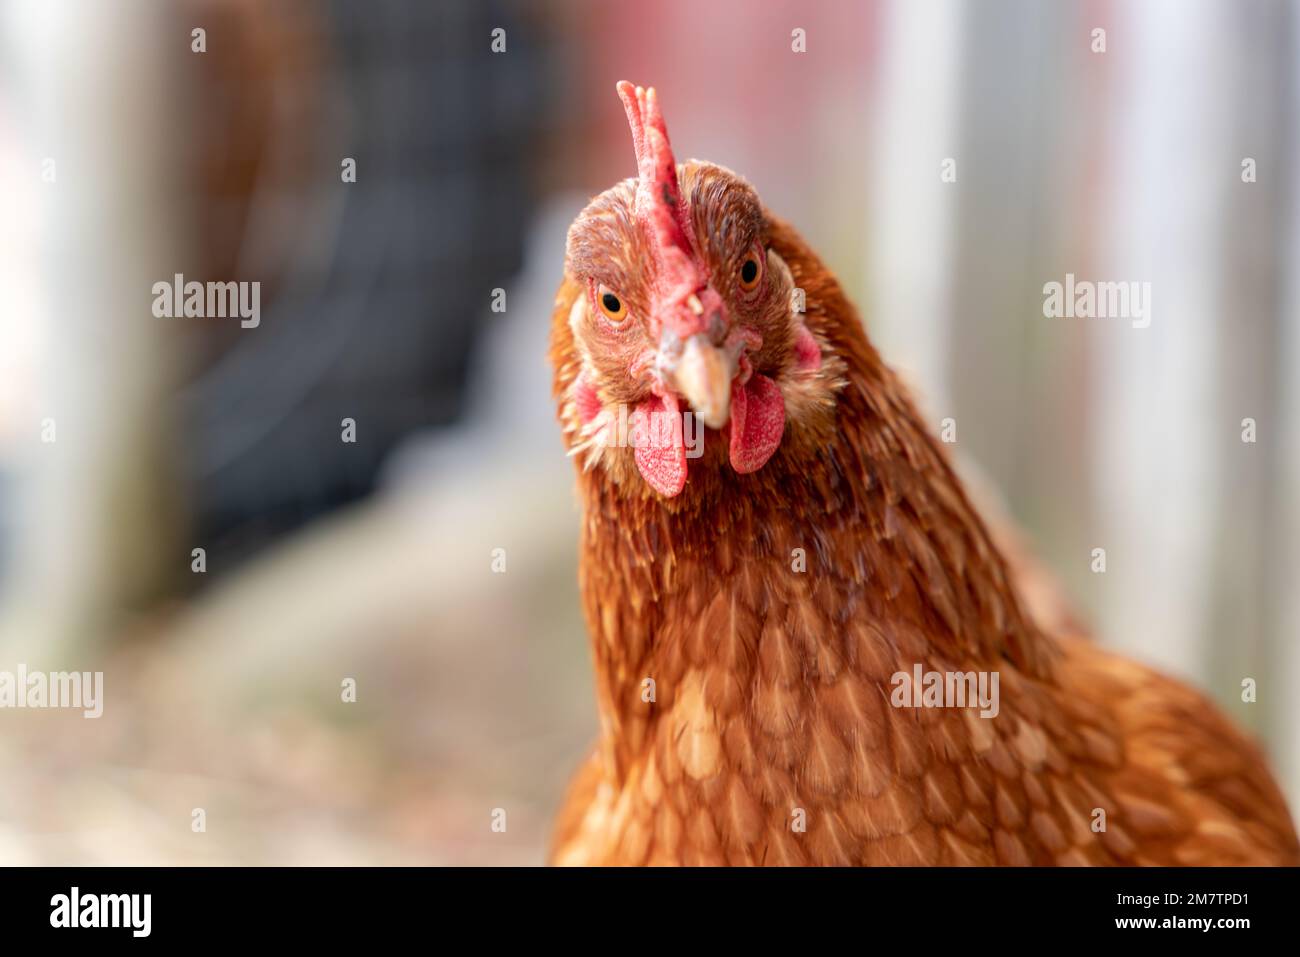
(717,327)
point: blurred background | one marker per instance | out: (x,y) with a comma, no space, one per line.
(127,155)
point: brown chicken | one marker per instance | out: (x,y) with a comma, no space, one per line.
(808,647)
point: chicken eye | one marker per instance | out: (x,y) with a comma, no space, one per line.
(751,271)
(614,308)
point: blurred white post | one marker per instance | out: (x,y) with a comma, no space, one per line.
(1155,387)
(92,511)
(1287,436)
(911,210)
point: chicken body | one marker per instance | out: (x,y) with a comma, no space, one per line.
(748,633)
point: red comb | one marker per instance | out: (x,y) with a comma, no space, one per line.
(658,196)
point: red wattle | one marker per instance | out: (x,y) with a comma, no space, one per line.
(757,422)
(660,451)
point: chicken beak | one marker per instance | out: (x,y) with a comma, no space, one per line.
(702,377)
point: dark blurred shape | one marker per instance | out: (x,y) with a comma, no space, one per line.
(373,291)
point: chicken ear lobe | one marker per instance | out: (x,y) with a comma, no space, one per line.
(757,422)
